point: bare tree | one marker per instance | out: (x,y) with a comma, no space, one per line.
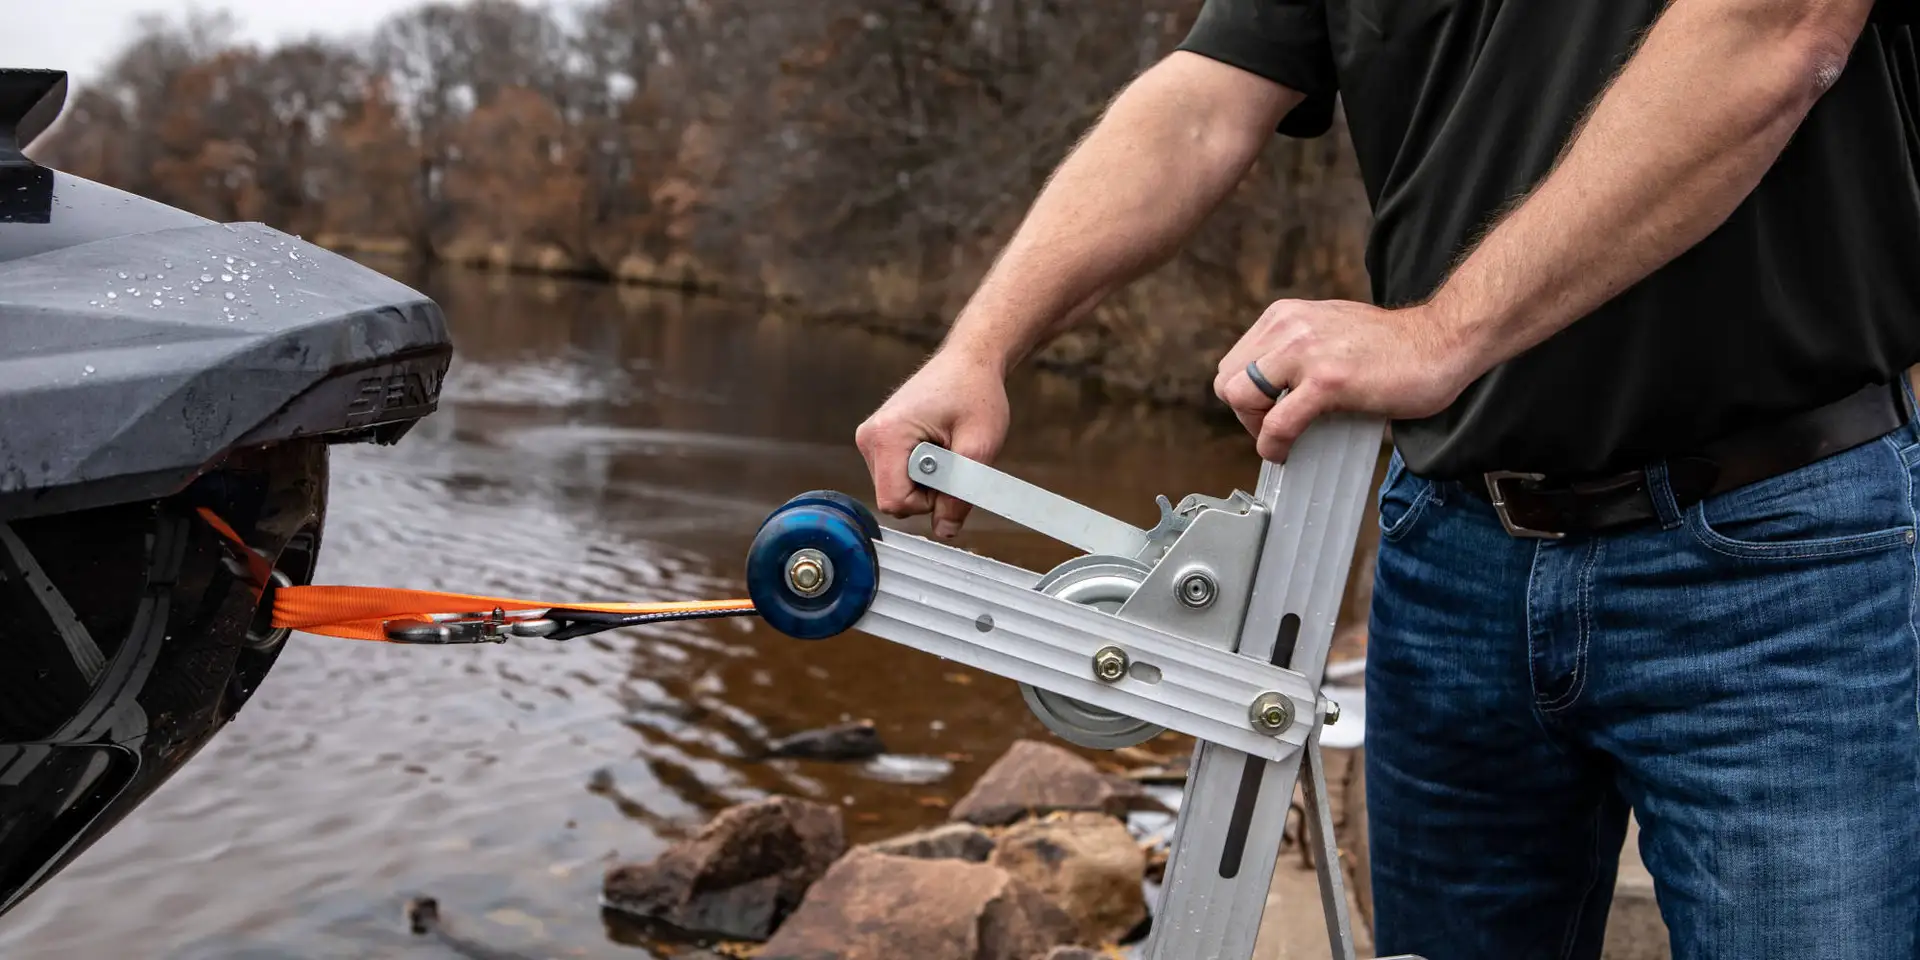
(857,156)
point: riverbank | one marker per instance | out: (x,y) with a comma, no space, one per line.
(859,162)
(1128,349)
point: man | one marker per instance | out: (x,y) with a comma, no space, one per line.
(1649,281)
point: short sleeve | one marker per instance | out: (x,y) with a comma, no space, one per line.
(1282,40)
(1895,12)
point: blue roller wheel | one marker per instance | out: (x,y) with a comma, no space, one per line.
(811,571)
(868,525)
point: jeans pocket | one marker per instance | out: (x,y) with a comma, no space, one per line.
(1856,501)
(1403,498)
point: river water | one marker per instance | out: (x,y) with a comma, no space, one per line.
(593,442)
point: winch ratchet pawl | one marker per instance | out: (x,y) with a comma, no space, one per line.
(946,602)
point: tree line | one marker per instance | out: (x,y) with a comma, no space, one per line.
(856,157)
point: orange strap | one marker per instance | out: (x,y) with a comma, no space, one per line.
(259,571)
(358,613)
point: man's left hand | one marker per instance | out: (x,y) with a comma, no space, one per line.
(1341,356)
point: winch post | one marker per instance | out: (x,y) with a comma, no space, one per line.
(1233,815)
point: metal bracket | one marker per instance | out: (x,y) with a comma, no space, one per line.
(1225,639)
(962,612)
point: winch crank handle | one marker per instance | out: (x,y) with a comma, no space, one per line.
(1035,508)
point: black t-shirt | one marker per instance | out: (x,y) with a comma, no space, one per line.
(1809,291)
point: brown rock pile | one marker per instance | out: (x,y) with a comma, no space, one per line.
(1034,779)
(740,876)
(1036,862)
(874,906)
(1088,864)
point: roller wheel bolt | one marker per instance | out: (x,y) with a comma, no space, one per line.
(1110,664)
(809,573)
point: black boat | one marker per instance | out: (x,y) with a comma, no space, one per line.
(169,388)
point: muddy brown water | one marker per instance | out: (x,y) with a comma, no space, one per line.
(593,443)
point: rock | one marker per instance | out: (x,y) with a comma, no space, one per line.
(1075,953)
(424,920)
(1138,756)
(423,915)
(873,906)
(847,741)
(1147,766)
(1087,864)
(1035,779)
(952,841)
(740,876)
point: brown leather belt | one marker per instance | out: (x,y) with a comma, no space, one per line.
(1530,505)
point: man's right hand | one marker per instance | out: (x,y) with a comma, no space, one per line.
(956,401)
(1162,157)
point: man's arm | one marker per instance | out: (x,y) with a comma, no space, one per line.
(1168,150)
(1684,133)
(1171,146)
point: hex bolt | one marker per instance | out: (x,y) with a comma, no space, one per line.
(1330,709)
(1197,589)
(809,572)
(1110,664)
(1271,713)
(929,464)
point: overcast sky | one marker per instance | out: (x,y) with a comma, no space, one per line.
(79,36)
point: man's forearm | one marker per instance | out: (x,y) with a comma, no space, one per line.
(1683,135)
(1168,150)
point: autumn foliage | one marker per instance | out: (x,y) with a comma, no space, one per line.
(863,158)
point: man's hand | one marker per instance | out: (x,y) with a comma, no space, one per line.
(1339,356)
(1168,150)
(956,401)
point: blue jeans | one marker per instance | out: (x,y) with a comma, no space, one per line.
(1741,675)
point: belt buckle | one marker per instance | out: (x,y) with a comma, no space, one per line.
(1499,500)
